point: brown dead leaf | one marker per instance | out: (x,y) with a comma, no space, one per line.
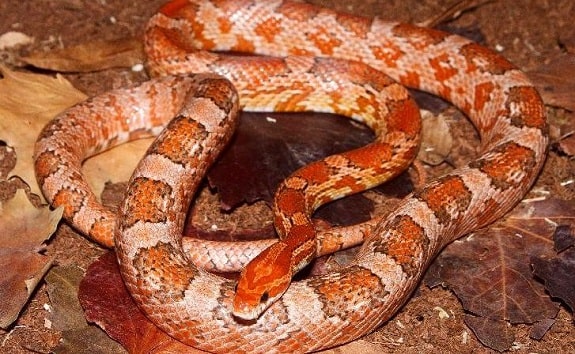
(62,285)
(91,56)
(107,303)
(490,270)
(555,81)
(27,103)
(539,329)
(562,133)
(67,315)
(115,165)
(564,237)
(23,229)
(558,273)
(88,340)
(268,147)
(494,334)
(567,145)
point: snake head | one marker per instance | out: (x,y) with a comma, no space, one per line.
(264,280)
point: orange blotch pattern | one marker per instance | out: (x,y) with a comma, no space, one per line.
(268,29)
(172,268)
(489,62)
(442,68)
(405,118)
(483,93)
(290,201)
(370,156)
(406,243)
(532,108)
(324,41)
(446,196)
(387,53)
(349,182)
(502,169)
(153,199)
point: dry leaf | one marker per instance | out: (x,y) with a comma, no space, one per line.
(562,133)
(490,271)
(554,81)
(27,103)
(91,56)
(116,165)
(67,315)
(23,229)
(13,39)
(114,311)
(540,328)
(268,147)
(567,145)
(494,334)
(62,285)
(436,139)
(88,340)
(558,273)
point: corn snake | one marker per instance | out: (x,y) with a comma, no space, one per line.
(499,100)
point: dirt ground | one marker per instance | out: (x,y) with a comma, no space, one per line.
(528,32)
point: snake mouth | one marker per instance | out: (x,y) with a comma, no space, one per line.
(248,312)
(249,305)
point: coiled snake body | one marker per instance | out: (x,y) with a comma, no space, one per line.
(195,306)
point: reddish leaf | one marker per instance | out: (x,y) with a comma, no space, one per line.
(540,328)
(492,333)
(266,150)
(564,237)
(558,273)
(107,303)
(490,271)
(66,315)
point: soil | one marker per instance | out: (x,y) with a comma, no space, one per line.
(527,32)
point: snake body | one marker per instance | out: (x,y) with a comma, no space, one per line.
(195,306)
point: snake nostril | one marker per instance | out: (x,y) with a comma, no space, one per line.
(265,297)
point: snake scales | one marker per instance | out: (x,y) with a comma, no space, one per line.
(195,306)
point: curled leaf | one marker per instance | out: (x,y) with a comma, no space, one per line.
(90,56)
(23,229)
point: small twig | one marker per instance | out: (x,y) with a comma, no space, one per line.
(454,12)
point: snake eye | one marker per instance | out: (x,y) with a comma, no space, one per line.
(236,288)
(265,297)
